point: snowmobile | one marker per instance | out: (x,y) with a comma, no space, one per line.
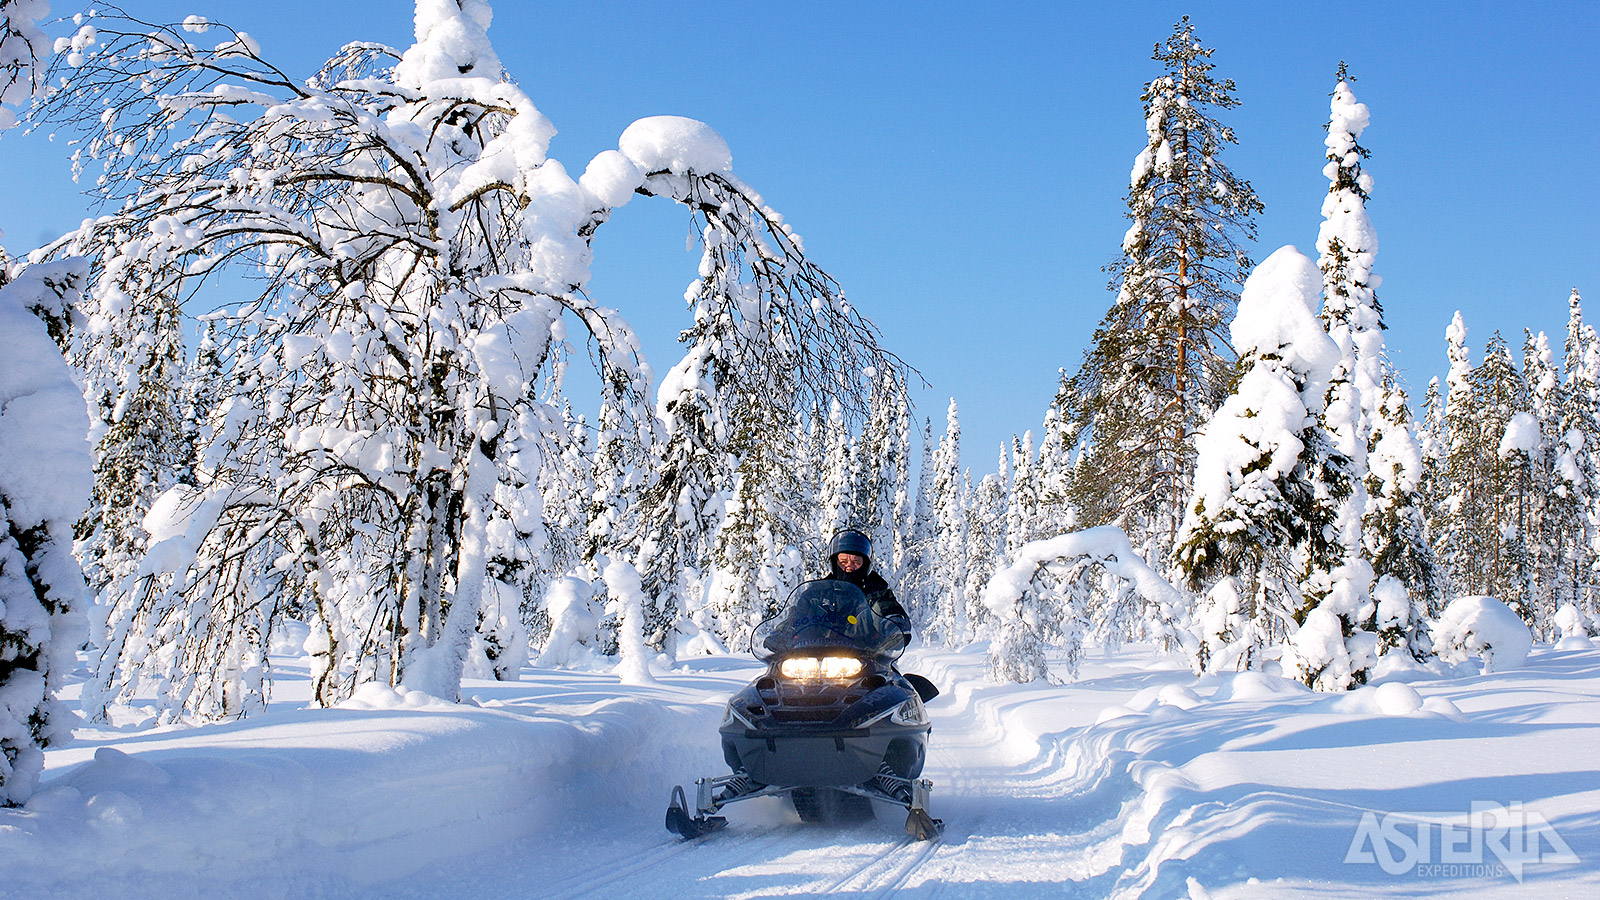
(831,723)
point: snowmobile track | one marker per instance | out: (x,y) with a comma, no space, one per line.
(884,874)
(586,884)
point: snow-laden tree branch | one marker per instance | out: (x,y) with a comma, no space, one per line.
(1045,599)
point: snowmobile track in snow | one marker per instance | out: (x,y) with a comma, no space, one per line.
(584,885)
(749,843)
(885,873)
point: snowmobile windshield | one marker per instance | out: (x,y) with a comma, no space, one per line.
(828,614)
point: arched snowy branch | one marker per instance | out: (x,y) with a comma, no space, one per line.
(1042,600)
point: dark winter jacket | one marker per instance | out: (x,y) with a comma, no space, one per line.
(878,592)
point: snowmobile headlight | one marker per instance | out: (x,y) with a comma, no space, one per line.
(811,668)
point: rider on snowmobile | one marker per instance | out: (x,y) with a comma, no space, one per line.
(850,559)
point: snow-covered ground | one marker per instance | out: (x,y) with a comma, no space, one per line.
(1138,780)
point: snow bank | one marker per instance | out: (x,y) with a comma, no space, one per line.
(392,791)
(1263,796)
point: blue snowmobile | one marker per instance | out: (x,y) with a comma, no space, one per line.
(831,723)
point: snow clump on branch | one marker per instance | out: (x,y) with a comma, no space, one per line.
(675,144)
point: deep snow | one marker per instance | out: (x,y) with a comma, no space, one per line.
(1137,780)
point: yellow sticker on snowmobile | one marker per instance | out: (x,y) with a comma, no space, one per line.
(852,620)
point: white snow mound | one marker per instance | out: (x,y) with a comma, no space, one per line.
(1486,628)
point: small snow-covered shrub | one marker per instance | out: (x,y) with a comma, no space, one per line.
(1576,628)
(1483,627)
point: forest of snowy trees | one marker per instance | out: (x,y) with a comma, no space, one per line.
(322,325)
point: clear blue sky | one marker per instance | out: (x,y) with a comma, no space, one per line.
(960,168)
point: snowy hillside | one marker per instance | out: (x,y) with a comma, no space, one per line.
(1137,780)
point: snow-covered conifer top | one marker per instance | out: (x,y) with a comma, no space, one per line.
(1350,117)
(1455,335)
(1277,316)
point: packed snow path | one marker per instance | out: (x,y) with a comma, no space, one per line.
(1135,781)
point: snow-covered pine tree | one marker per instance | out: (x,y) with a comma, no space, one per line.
(986,538)
(834,494)
(1573,501)
(620,464)
(809,448)
(879,473)
(1498,437)
(1022,500)
(45,480)
(1062,430)
(567,482)
(948,556)
(1340,581)
(916,591)
(1395,527)
(204,382)
(1452,475)
(1258,506)
(1546,403)
(681,510)
(45,466)
(756,555)
(1347,245)
(905,496)
(1159,363)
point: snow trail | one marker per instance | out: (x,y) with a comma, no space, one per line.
(1136,781)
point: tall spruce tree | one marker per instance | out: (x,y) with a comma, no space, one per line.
(1453,476)
(948,560)
(1063,428)
(1395,527)
(1540,514)
(1160,362)
(44,485)
(1259,506)
(1576,471)
(916,569)
(987,529)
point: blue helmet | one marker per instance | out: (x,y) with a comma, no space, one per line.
(850,541)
